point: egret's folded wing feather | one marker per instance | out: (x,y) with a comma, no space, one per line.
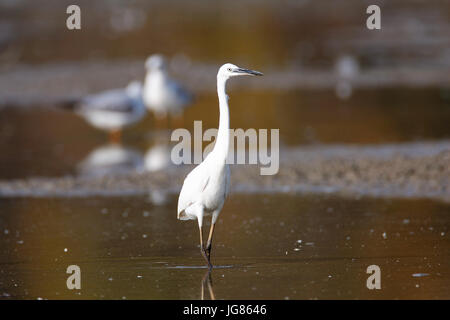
(227,186)
(194,184)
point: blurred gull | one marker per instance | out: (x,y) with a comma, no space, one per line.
(113,110)
(346,69)
(126,19)
(163,95)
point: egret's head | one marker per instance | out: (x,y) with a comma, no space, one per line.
(156,62)
(229,70)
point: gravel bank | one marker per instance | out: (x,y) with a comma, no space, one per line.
(400,170)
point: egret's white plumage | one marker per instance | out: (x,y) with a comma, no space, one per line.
(204,190)
(163,95)
(206,187)
(113,109)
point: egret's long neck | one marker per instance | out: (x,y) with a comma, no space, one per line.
(222,142)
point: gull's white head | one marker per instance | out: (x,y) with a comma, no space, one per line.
(156,62)
(229,70)
(134,88)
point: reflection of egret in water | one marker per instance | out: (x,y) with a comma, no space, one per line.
(346,69)
(207,282)
(161,94)
(112,110)
(111,159)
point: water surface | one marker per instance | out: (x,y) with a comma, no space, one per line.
(266,247)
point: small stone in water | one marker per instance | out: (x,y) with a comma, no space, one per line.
(418,275)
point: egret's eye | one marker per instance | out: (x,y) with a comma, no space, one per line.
(229,69)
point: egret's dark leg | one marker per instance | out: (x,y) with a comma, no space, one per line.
(209,242)
(202,248)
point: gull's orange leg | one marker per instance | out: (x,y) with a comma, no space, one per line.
(115,136)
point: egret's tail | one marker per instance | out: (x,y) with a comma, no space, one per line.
(183,216)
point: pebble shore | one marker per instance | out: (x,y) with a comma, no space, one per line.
(410,170)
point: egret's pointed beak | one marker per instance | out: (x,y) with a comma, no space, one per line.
(247,71)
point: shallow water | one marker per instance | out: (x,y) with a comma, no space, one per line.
(266,247)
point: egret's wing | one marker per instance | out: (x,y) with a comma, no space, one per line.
(112,100)
(227,181)
(194,184)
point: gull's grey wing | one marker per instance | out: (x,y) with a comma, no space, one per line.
(182,94)
(112,101)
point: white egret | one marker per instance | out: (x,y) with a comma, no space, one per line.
(112,110)
(163,95)
(206,187)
